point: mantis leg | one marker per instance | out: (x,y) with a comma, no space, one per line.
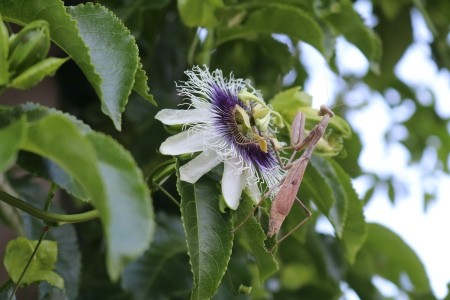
(308,216)
(266,194)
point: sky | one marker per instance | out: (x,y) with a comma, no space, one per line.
(422,231)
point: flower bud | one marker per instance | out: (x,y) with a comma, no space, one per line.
(28,47)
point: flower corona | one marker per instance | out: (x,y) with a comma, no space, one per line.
(227,121)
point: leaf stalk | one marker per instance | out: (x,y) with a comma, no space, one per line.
(49,218)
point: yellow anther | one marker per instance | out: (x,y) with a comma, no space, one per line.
(244,116)
(263,145)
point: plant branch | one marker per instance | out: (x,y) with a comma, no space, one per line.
(51,219)
(50,195)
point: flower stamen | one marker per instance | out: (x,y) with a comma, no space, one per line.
(236,125)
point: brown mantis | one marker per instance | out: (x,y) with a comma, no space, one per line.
(288,187)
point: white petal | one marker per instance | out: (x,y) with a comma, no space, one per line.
(183,142)
(233,183)
(199,166)
(252,190)
(183,116)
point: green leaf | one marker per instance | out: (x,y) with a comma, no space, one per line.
(263,59)
(338,212)
(53,136)
(361,282)
(393,259)
(127,199)
(423,124)
(4,50)
(311,268)
(285,101)
(391,190)
(18,252)
(391,9)
(355,229)
(12,134)
(115,55)
(105,172)
(163,270)
(315,186)
(68,264)
(195,13)
(290,101)
(349,162)
(33,75)
(402,23)
(251,236)
(107,55)
(446,297)
(140,84)
(45,168)
(342,17)
(11,138)
(346,214)
(209,235)
(295,22)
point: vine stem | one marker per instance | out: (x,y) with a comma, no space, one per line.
(51,219)
(160,175)
(191,52)
(51,194)
(41,238)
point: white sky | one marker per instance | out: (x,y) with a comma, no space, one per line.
(422,231)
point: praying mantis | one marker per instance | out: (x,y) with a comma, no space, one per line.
(287,189)
(289,186)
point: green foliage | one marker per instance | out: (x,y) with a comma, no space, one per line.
(388,256)
(114,57)
(345,210)
(33,75)
(284,19)
(251,237)
(100,149)
(109,59)
(208,233)
(420,138)
(23,56)
(68,264)
(18,253)
(164,268)
(289,102)
(105,172)
(346,21)
(196,13)
(12,136)
(4,52)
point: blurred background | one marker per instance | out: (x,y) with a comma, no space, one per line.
(414,199)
